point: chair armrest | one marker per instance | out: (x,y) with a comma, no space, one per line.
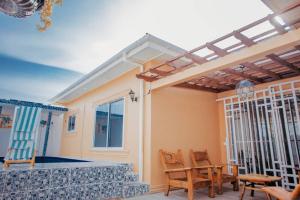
(209,168)
(204,167)
(219,166)
(233,164)
(178,170)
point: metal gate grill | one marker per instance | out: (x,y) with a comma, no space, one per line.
(263,134)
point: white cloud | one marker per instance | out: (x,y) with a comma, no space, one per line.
(187,23)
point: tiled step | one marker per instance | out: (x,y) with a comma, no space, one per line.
(77,181)
(135,189)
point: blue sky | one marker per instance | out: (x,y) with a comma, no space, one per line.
(86,33)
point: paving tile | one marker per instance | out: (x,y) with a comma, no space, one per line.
(60,177)
(39,194)
(79,176)
(60,193)
(17,180)
(201,194)
(76,192)
(40,179)
(14,196)
(2,181)
(92,192)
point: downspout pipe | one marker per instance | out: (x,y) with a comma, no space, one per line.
(141,127)
(141,121)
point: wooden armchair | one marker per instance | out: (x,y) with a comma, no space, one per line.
(281,194)
(181,177)
(201,158)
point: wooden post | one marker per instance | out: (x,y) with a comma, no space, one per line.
(47,133)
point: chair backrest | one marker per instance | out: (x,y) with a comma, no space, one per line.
(23,136)
(170,160)
(199,158)
(296,193)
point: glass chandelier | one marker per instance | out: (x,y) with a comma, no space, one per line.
(25,8)
(245,88)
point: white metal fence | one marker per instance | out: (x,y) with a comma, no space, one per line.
(263,134)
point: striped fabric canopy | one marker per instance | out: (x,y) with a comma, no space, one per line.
(23,137)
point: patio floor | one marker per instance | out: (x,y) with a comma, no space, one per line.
(201,194)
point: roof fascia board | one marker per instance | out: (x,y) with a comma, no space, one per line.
(146,41)
(82,83)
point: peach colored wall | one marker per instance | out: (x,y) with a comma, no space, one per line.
(182,119)
(79,142)
(221,111)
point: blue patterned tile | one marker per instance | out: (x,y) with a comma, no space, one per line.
(17,180)
(60,193)
(93,192)
(94,175)
(127,167)
(107,174)
(120,173)
(141,188)
(2,181)
(79,176)
(60,177)
(80,183)
(40,179)
(39,194)
(15,196)
(131,177)
(77,192)
(128,191)
(111,190)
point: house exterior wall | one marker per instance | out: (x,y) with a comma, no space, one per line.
(79,143)
(182,119)
(174,118)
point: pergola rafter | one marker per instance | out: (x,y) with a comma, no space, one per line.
(254,67)
(271,67)
(284,63)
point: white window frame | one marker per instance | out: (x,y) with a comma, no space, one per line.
(73,130)
(123,129)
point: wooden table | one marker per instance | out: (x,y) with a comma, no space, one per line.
(255,182)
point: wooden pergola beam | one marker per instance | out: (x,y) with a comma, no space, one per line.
(284,63)
(160,72)
(197,87)
(196,59)
(254,67)
(279,28)
(217,50)
(243,75)
(244,39)
(217,83)
(147,78)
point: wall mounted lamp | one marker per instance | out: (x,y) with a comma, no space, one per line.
(132,96)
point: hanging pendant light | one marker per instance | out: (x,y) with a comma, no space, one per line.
(245,88)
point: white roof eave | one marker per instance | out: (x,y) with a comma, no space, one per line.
(81,86)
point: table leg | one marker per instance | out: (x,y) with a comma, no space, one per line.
(243,191)
(252,191)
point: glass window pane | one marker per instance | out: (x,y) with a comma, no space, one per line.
(71,123)
(101,125)
(116,124)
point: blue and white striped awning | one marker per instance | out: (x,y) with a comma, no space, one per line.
(33,104)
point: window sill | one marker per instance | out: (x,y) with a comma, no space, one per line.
(100,149)
(70,133)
